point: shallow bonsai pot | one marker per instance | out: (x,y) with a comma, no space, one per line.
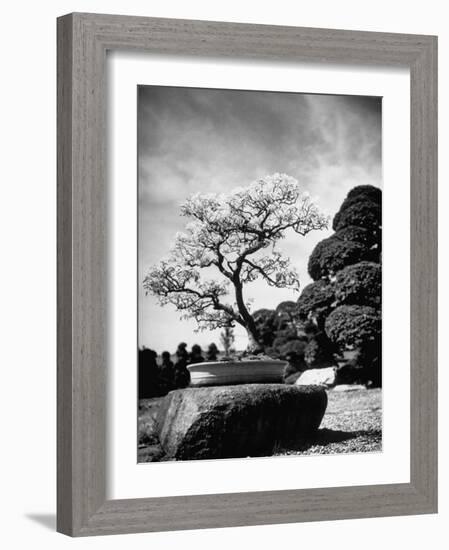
(221,373)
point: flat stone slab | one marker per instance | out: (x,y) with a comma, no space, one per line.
(237,421)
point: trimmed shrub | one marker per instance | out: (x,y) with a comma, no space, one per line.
(354,326)
(288,307)
(181,374)
(359,284)
(293,349)
(356,234)
(196,355)
(369,192)
(361,213)
(286,314)
(319,352)
(315,301)
(293,352)
(283,336)
(265,320)
(149,382)
(332,254)
(212,352)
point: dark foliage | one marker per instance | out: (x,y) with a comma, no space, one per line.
(293,350)
(343,304)
(332,254)
(288,307)
(351,374)
(354,326)
(181,374)
(286,314)
(359,284)
(365,367)
(181,351)
(316,301)
(212,352)
(356,234)
(283,336)
(319,352)
(148,374)
(265,320)
(360,213)
(369,192)
(196,354)
(166,373)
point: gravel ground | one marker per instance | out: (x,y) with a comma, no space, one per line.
(352,424)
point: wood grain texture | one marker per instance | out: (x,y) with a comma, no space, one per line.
(83,40)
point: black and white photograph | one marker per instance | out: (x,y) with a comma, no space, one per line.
(259,274)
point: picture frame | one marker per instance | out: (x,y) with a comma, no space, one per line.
(82,506)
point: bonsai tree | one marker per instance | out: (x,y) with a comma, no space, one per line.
(237,236)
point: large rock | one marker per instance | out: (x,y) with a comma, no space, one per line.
(320,377)
(238,421)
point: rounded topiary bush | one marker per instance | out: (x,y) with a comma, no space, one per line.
(292,348)
(316,300)
(353,326)
(332,254)
(286,314)
(369,192)
(356,234)
(360,283)
(288,307)
(359,212)
(283,336)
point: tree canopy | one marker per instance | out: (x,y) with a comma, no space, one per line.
(232,233)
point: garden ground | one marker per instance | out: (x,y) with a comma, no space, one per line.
(352,424)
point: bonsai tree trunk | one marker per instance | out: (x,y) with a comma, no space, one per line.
(247,320)
(254,345)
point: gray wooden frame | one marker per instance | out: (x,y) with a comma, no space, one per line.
(83,40)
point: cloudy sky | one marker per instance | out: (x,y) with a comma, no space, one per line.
(199,140)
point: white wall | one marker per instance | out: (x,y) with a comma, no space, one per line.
(27,218)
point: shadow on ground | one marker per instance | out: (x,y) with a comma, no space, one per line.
(46,520)
(327,441)
(326,436)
